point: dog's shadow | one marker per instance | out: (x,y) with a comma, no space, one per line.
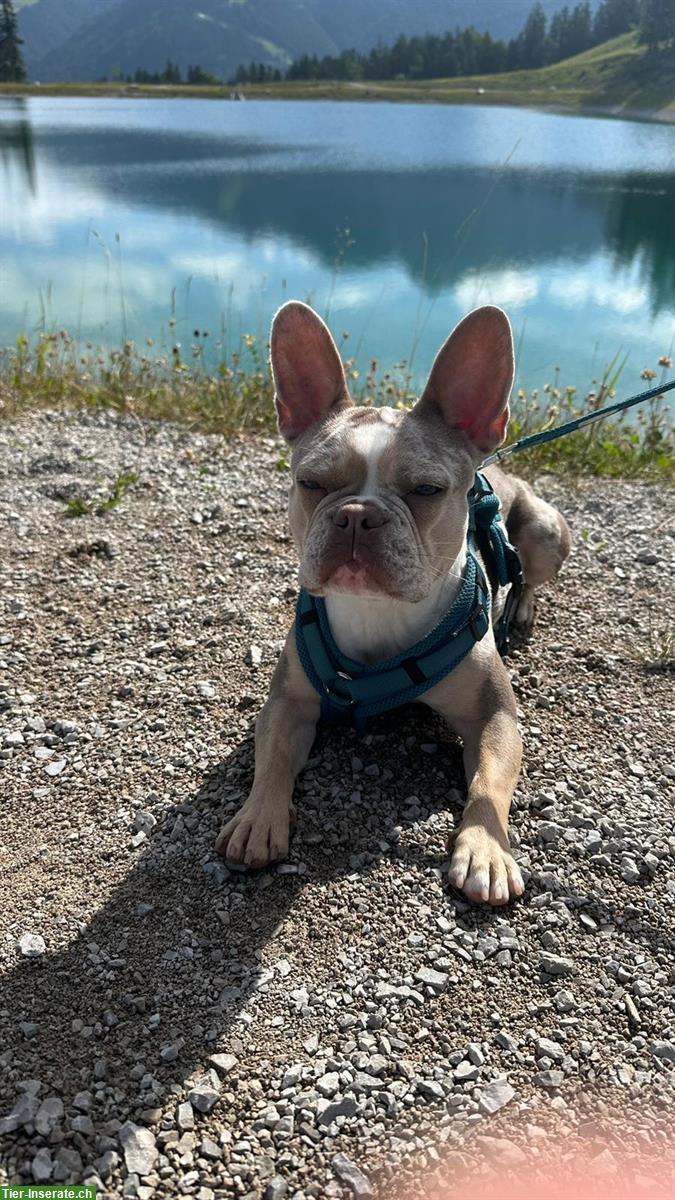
(165,972)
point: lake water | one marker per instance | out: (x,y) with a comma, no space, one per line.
(118,216)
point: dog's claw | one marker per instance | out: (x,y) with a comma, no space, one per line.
(481,868)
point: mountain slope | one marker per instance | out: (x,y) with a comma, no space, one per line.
(361,24)
(93,39)
(217,34)
(47,24)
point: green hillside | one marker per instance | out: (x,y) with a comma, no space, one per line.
(620,74)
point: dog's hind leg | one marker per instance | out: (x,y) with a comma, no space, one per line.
(543,539)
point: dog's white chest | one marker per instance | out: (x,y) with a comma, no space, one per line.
(373,629)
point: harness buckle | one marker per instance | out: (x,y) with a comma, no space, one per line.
(478,622)
(340,699)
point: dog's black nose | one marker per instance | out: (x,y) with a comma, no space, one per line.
(360,516)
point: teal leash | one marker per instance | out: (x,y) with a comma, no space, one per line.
(550,435)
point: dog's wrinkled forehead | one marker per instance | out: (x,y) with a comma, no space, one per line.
(349,444)
(369,449)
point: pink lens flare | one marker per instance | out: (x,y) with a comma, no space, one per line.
(606,1176)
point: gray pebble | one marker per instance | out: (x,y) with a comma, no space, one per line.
(496,1095)
(664,1050)
(465,1072)
(224,1063)
(343,1106)
(138,1145)
(549,1079)
(328,1084)
(555,964)
(349,1174)
(42,1166)
(276,1188)
(203,1097)
(185,1116)
(49,1114)
(545,1048)
(68,1164)
(433,979)
(431,1089)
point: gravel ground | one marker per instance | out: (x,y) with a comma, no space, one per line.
(341,1025)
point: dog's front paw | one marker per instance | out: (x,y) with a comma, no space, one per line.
(256,836)
(484,869)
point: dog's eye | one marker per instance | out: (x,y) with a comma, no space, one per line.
(427,489)
(310,484)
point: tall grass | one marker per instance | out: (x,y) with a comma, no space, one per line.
(52,372)
(639,445)
(237,397)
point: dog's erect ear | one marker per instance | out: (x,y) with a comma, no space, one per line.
(309,379)
(472,377)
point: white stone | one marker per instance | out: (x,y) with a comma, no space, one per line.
(224,1063)
(496,1095)
(138,1144)
(185,1116)
(32,945)
(328,1084)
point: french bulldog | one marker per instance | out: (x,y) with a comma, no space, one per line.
(378,513)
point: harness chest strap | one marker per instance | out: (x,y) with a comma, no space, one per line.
(354,691)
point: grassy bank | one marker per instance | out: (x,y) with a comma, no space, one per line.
(618,78)
(237,397)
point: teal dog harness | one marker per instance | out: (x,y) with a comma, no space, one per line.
(352,692)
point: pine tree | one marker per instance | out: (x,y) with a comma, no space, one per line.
(658,22)
(12,69)
(614,17)
(532,39)
(171,73)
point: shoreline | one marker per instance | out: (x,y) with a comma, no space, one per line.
(394,93)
